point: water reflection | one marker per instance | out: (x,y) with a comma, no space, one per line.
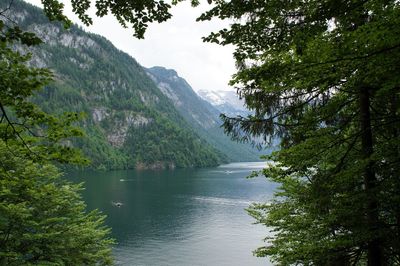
(180,217)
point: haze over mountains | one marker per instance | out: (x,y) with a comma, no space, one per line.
(202,115)
(135,117)
(227,102)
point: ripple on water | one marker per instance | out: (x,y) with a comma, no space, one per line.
(183,217)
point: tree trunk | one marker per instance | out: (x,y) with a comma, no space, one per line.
(375,256)
(396,132)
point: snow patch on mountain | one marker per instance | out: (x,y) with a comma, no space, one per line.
(227,102)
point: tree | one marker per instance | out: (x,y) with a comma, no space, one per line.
(42,217)
(324,77)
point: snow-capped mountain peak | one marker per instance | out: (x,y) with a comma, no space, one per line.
(226,102)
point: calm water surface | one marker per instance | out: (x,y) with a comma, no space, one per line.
(181,217)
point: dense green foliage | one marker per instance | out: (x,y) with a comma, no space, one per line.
(116,98)
(323,76)
(161,139)
(42,217)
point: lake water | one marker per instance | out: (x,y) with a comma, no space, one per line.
(181,217)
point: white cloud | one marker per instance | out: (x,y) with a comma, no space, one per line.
(173,44)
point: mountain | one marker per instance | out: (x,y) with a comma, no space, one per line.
(200,114)
(226,102)
(194,109)
(229,103)
(129,122)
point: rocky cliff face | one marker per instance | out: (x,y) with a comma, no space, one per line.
(126,114)
(201,114)
(187,102)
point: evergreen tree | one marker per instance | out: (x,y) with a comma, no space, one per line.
(324,77)
(42,217)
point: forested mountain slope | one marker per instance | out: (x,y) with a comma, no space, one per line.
(129,122)
(199,113)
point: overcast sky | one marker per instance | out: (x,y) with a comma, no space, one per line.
(173,44)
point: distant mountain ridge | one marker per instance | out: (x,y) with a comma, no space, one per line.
(185,100)
(200,114)
(129,122)
(226,102)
